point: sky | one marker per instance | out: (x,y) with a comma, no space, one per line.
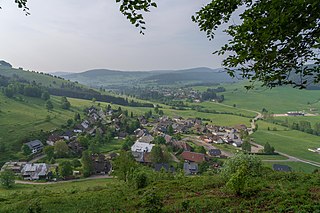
(78,35)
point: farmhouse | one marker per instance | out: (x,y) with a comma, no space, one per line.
(35,146)
(193,157)
(190,168)
(35,171)
(13,166)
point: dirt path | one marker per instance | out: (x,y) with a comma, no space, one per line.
(64,181)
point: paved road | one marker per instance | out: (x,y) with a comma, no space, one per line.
(64,181)
(290,158)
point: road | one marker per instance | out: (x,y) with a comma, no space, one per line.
(64,181)
(290,158)
(207,146)
(37,158)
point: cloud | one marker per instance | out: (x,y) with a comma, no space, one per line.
(77,35)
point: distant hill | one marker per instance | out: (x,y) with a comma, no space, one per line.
(194,75)
(111,78)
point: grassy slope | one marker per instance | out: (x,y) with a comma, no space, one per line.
(277,100)
(291,142)
(19,118)
(276,193)
(45,80)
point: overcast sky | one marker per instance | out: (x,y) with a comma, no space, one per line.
(77,35)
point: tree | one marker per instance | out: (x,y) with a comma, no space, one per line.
(61,149)
(200,149)
(77,117)
(268,149)
(238,170)
(159,140)
(26,150)
(49,151)
(7,178)
(49,105)
(246,146)
(124,165)
(65,169)
(170,130)
(45,95)
(157,155)
(65,104)
(273,40)
(86,162)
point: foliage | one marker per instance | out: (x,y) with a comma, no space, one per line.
(200,149)
(157,155)
(246,146)
(152,202)
(49,105)
(61,149)
(273,39)
(65,168)
(7,179)
(86,162)
(25,150)
(252,163)
(132,10)
(159,140)
(127,143)
(124,165)
(49,151)
(65,104)
(268,149)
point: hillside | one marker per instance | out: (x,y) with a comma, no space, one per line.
(273,192)
(113,78)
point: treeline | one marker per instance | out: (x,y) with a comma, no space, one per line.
(211,94)
(304,126)
(90,94)
(10,88)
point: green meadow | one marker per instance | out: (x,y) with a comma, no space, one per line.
(291,142)
(276,100)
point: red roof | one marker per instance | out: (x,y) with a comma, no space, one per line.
(193,156)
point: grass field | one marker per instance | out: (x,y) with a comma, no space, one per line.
(290,119)
(291,142)
(295,166)
(19,118)
(276,100)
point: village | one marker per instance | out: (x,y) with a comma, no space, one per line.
(185,143)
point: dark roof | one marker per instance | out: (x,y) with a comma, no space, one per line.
(34,144)
(159,166)
(193,156)
(214,152)
(282,168)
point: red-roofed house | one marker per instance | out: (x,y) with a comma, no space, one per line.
(193,157)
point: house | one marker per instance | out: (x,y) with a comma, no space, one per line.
(237,144)
(164,166)
(35,146)
(281,168)
(142,147)
(75,147)
(215,152)
(190,168)
(181,145)
(142,157)
(34,171)
(146,139)
(141,132)
(216,139)
(67,135)
(85,124)
(193,157)
(13,166)
(52,139)
(100,164)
